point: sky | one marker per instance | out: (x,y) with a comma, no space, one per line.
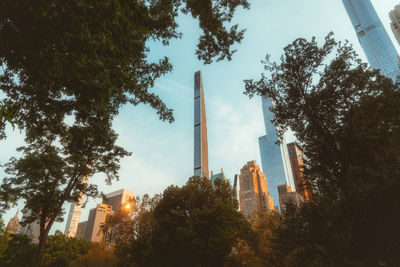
(162,153)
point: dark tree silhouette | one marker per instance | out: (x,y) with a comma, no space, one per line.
(194,225)
(347,119)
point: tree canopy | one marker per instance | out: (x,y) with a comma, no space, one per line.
(346,117)
(194,225)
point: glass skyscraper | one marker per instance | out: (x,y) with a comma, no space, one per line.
(274,158)
(375,41)
(200,129)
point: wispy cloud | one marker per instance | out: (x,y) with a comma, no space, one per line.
(175,88)
(234,133)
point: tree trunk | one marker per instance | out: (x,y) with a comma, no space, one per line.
(44,232)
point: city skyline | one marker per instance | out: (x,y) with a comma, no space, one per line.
(162,153)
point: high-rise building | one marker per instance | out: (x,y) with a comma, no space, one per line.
(395,22)
(220,175)
(90,229)
(296,162)
(287,197)
(80,230)
(74,214)
(31,229)
(200,129)
(12,226)
(274,157)
(97,217)
(118,198)
(254,194)
(374,40)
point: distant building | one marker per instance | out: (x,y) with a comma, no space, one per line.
(376,43)
(200,129)
(296,162)
(254,194)
(118,198)
(31,229)
(274,157)
(220,175)
(287,197)
(81,229)
(74,214)
(97,217)
(12,226)
(90,229)
(395,22)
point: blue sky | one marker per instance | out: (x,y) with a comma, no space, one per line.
(163,152)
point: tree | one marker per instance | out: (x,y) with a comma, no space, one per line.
(193,225)
(347,119)
(62,250)
(67,69)
(20,252)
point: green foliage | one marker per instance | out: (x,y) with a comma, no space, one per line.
(193,225)
(6,115)
(20,252)
(3,238)
(61,250)
(346,117)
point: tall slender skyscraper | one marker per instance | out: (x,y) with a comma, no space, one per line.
(200,129)
(274,158)
(375,41)
(75,212)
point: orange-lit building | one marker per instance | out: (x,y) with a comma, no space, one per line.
(296,162)
(254,195)
(12,226)
(97,217)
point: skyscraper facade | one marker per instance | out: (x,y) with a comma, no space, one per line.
(97,217)
(375,41)
(296,163)
(74,214)
(253,195)
(274,157)
(395,22)
(200,129)
(81,229)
